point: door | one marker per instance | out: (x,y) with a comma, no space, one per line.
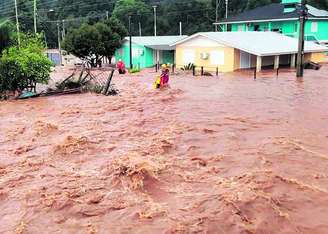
(245,60)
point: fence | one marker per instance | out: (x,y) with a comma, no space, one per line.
(207,71)
(196,70)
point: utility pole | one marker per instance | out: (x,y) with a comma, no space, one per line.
(300,55)
(216,14)
(130,37)
(180,28)
(227,8)
(155,21)
(63,30)
(140,29)
(59,44)
(34,11)
(17,23)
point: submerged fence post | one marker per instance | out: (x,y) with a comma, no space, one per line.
(156,69)
(277,71)
(202,71)
(217,71)
(109,81)
(255,73)
(173,68)
(194,70)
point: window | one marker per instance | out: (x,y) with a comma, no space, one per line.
(137,52)
(188,56)
(257,28)
(314,27)
(217,58)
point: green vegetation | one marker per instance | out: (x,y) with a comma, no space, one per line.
(188,67)
(134,70)
(7,37)
(24,66)
(93,42)
(195,15)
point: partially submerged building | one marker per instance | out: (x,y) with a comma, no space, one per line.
(230,51)
(280,17)
(148,51)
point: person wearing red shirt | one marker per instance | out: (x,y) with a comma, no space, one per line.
(121,67)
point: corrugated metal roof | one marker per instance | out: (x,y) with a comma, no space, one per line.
(158,42)
(259,43)
(316,12)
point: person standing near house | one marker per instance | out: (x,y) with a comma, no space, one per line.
(165,77)
(162,80)
(121,67)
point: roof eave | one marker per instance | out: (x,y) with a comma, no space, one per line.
(292,52)
(254,21)
(186,39)
(267,20)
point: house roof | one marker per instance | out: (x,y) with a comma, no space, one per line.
(158,42)
(274,11)
(258,43)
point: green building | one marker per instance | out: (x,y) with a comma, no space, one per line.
(280,17)
(148,51)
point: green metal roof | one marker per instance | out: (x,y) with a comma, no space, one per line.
(158,42)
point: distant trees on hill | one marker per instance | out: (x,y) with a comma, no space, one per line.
(195,15)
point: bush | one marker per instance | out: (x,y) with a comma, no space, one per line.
(134,70)
(24,66)
(188,67)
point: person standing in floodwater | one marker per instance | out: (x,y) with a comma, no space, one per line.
(165,76)
(121,67)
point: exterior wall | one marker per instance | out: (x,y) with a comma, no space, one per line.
(142,56)
(253,61)
(315,57)
(322,32)
(199,46)
(289,28)
(229,58)
(236,59)
(149,58)
(267,61)
(168,57)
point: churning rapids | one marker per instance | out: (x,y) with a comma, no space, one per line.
(209,155)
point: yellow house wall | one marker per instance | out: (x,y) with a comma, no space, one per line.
(229,57)
(236,59)
(315,57)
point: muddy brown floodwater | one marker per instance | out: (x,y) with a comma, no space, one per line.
(209,155)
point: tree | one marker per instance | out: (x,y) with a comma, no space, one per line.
(196,16)
(24,65)
(251,4)
(139,12)
(6,36)
(95,10)
(93,42)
